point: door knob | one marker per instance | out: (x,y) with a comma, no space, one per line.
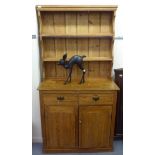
(120,75)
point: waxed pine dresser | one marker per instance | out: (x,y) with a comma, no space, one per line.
(77,117)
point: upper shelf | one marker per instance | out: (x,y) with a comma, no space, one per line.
(96,35)
(76,24)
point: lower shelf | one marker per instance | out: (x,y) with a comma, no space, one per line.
(86,59)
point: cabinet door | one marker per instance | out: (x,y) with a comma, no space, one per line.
(60,126)
(94,126)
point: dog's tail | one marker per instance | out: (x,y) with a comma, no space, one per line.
(83,56)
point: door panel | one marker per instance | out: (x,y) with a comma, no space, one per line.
(60,126)
(94,126)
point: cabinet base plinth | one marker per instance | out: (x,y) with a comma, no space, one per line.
(77,150)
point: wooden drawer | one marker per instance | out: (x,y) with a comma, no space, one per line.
(96,99)
(59,99)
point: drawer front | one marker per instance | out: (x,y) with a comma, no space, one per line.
(59,99)
(96,99)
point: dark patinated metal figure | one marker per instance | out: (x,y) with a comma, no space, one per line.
(76,59)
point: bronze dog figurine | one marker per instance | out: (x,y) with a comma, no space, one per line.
(76,59)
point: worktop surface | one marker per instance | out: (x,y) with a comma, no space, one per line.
(90,84)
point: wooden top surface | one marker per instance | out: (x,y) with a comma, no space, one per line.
(93,84)
(76,7)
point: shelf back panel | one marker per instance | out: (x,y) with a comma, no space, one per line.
(93,70)
(76,22)
(90,47)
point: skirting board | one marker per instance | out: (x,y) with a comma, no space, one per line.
(36,140)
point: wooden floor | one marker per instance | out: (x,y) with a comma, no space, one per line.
(118,150)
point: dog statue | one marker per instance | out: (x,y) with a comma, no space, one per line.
(76,59)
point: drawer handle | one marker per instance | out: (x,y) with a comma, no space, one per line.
(95,98)
(60,98)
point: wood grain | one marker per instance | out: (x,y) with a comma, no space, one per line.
(105,69)
(106,48)
(71,47)
(103,99)
(87,59)
(82,22)
(71,22)
(60,126)
(91,84)
(59,22)
(49,48)
(94,129)
(50,69)
(76,8)
(82,46)
(106,22)
(47,20)
(60,47)
(60,72)
(53,99)
(94,22)
(85,35)
(94,48)
(94,69)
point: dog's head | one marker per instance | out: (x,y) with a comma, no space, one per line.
(62,61)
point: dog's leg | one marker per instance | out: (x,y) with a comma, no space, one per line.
(70,79)
(83,71)
(81,81)
(69,76)
(82,78)
(84,75)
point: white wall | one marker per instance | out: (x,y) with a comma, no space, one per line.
(118,54)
